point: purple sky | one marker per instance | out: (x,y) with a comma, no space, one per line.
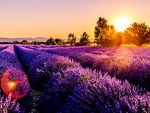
(57,18)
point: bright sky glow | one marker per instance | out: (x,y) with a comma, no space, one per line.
(57,18)
(122,23)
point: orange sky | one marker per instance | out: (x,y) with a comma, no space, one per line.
(57,18)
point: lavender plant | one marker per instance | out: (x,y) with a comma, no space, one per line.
(60,85)
(70,88)
(10,70)
(44,64)
(79,90)
(3,47)
(9,105)
(130,64)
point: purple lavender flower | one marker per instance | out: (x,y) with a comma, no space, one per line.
(9,61)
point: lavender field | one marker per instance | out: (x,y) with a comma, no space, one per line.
(81,79)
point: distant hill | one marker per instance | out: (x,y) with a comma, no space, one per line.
(29,39)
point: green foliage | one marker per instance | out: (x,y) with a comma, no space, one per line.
(15,42)
(84,40)
(58,41)
(24,42)
(50,41)
(138,33)
(36,43)
(100,30)
(71,39)
(105,34)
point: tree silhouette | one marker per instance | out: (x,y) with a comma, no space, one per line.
(111,37)
(59,41)
(50,41)
(24,42)
(71,39)
(84,40)
(138,33)
(36,42)
(100,30)
(15,42)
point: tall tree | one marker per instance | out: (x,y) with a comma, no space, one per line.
(84,40)
(100,30)
(138,33)
(71,39)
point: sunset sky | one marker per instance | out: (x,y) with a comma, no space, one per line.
(57,18)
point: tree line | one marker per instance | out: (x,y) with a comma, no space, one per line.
(136,33)
(104,34)
(72,40)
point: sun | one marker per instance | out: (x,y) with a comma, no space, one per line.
(122,23)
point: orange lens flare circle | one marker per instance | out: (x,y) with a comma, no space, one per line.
(14,83)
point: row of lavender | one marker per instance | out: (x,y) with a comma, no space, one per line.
(132,64)
(133,51)
(14,84)
(67,87)
(3,47)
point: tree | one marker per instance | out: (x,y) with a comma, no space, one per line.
(59,41)
(36,42)
(24,42)
(15,42)
(100,30)
(71,39)
(84,40)
(50,41)
(111,36)
(138,33)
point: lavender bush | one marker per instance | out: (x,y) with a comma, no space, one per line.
(31,60)
(60,85)
(79,90)
(3,47)
(8,105)
(9,61)
(71,88)
(132,64)
(42,66)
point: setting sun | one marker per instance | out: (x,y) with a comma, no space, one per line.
(122,23)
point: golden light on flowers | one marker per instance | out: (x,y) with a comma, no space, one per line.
(122,23)
(124,57)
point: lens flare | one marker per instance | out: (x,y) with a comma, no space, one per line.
(14,83)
